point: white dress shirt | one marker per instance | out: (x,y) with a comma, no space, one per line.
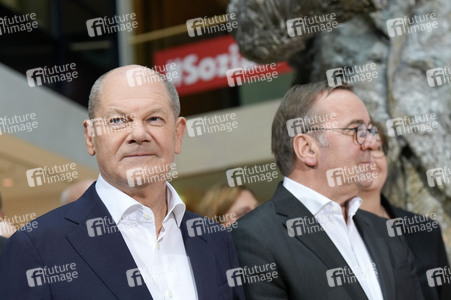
(346,237)
(162,260)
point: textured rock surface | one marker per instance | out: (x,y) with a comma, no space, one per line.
(400,89)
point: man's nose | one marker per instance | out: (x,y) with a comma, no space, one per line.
(370,142)
(139,133)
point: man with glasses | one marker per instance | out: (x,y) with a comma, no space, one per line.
(312,231)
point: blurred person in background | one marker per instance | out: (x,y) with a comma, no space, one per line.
(74,191)
(6,228)
(426,245)
(225,204)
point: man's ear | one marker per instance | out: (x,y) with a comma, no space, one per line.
(306,149)
(180,127)
(89,136)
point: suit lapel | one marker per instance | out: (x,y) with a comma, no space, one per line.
(103,247)
(288,207)
(378,250)
(202,261)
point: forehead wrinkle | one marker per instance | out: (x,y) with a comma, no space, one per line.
(116,100)
(356,122)
(114,110)
(151,108)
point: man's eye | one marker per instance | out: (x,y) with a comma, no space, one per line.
(117,120)
(155,119)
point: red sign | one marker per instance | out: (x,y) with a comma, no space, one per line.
(203,65)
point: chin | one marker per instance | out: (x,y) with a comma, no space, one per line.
(367,185)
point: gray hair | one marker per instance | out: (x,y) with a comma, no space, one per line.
(298,102)
(96,94)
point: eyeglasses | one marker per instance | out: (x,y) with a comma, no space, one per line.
(361,131)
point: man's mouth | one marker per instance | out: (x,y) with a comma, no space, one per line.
(138,155)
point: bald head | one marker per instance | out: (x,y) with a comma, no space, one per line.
(75,191)
(133,75)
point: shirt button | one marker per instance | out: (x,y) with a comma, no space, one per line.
(170,294)
(146,216)
(158,246)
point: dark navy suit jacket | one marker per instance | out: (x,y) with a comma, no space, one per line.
(103,265)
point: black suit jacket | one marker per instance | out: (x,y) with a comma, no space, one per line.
(428,249)
(102,261)
(306,261)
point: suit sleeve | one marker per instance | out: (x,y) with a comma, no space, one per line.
(238,292)
(442,261)
(409,288)
(252,251)
(17,281)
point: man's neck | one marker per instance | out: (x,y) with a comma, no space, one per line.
(340,196)
(154,197)
(151,195)
(344,210)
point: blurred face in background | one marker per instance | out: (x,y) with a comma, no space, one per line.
(225,204)
(380,160)
(245,203)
